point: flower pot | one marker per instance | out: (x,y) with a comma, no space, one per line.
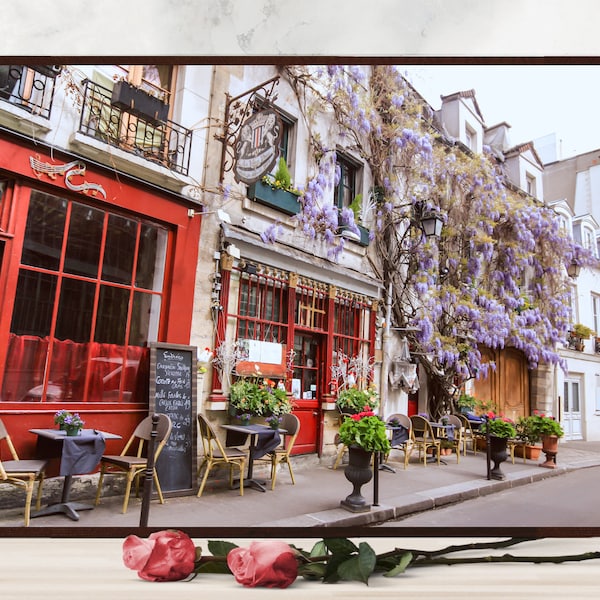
(358,472)
(136,101)
(498,455)
(528,451)
(550,449)
(72,431)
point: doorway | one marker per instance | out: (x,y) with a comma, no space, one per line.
(571,409)
(306,390)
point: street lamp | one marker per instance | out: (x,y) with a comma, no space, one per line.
(573,269)
(432,223)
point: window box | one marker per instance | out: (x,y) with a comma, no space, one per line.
(282,200)
(363,232)
(48,70)
(136,101)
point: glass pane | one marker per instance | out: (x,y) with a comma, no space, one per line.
(113,306)
(44,231)
(151,258)
(144,319)
(119,250)
(575,399)
(34,300)
(85,237)
(566,397)
(75,307)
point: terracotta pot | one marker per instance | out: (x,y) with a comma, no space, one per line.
(550,449)
(528,451)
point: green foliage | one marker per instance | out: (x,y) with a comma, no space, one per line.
(582,331)
(356,207)
(281,179)
(499,426)
(543,425)
(366,430)
(466,401)
(258,397)
(354,400)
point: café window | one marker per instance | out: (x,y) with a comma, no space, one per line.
(88,300)
(262,305)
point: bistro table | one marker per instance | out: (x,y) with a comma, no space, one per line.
(443,431)
(263,440)
(78,455)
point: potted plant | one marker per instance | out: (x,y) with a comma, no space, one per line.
(500,430)
(276,190)
(578,334)
(466,403)
(527,438)
(549,430)
(352,400)
(73,424)
(362,433)
(258,398)
(60,416)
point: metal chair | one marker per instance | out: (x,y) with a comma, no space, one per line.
(22,473)
(215,454)
(291,423)
(133,465)
(407,445)
(424,438)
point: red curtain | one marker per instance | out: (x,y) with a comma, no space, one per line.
(75,372)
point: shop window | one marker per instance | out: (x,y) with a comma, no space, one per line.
(262,308)
(87,302)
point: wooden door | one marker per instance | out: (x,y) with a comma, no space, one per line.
(507,387)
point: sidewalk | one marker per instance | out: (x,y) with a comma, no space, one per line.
(315,499)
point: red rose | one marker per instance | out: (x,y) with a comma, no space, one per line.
(265,564)
(164,556)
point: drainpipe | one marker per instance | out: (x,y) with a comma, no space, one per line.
(385,355)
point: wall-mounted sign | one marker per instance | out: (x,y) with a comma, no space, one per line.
(69,170)
(257,146)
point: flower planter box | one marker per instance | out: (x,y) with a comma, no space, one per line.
(281,200)
(527,451)
(136,101)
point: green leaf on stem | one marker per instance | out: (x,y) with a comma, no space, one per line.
(404,562)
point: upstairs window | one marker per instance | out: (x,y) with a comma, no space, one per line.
(470,138)
(530,184)
(345,190)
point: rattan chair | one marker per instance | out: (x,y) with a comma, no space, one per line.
(215,454)
(22,473)
(457,443)
(424,438)
(407,445)
(291,423)
(469,436)
(133,465)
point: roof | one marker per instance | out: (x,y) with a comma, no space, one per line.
(521,148)
(464,94)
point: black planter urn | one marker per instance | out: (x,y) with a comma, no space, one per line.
(498,454)
(358,472)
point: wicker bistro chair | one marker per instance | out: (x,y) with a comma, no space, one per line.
(22,473)
(291,423)
(215,454)
(424,438)
(134,465)
(341,448)
(470,435)
(407,445)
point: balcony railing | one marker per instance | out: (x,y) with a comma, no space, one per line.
(29,88)
(160,141)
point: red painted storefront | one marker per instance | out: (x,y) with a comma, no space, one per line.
(36,264)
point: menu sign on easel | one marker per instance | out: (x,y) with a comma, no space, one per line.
(173,392)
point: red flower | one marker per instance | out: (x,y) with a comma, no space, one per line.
(265,564)
(164,556)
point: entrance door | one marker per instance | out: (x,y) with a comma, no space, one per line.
(306,388)
(571,416)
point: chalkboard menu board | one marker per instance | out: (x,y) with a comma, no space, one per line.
(173,393)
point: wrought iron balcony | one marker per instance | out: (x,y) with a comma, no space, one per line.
(29,88)
(160,141)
